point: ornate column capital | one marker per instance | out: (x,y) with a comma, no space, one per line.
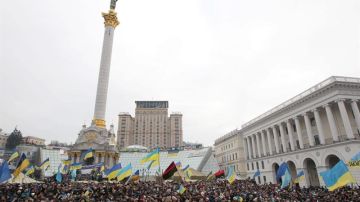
(110,19)
(340,100)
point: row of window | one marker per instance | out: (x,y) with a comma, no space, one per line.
(228,146)
(257,166)
(229,157)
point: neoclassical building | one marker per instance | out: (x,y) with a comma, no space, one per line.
(229,153)
(311,132)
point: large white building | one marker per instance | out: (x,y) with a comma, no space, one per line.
(311,132)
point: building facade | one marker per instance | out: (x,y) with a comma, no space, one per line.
(229,152)
(151,127)
(33,140)
(310,132)
(3,139)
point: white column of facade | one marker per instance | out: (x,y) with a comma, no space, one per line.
(333,129)
(282,136)
(319,126)
(299,132)
(345,119)
(245,148)
(253,145)
(276,139)
(308,129)
(263,143)
(269,140)
(291,135)
(257,135)
(249,147)
(355,109)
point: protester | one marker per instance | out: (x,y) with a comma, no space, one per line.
(214,191)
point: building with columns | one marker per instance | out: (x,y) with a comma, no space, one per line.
(151,127)
(229,153)
(311,132)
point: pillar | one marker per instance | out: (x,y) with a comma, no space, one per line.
(332,124)
(269,141)
(299,132)
(257,135)
(253,145)
(245,148)
(345,119)
(263,143)
(249,147)
(319,126)
(308,129)
(282,136)
(355,109)
(276,139)
(291,135)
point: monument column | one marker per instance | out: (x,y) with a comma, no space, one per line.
(111,22)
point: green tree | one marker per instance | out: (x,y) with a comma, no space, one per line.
(14,139)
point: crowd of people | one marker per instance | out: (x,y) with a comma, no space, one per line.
(216,190)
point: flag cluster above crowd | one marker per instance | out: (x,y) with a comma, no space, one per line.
(334,178)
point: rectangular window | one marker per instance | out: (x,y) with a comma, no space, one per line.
(264,178)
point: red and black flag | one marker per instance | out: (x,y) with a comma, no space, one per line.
(219,173)
(169,171)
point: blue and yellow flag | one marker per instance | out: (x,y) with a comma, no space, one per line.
(30,171)
(45,164)
(151,164)
(286,179)
(355,161)
(5,174)
(13,156)
(337,177)
(136,176)
(152,156)
(112,172)
(231,176)
(186,168)
(124,172)
(299,177)
(88,154)
(257,173)
(188,174)
(75,166)
(22,165)
(182,189)
(66,162)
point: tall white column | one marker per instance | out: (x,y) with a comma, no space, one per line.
(102,88)
(269,140)
(249,147)
(276,139)
(333,129)
(319,126)
(263,143)
(345,119)
(282,135)
(245,148)
(257,135)
(253,145)
(291,135)
(355,109)
(308,129)
(299,132)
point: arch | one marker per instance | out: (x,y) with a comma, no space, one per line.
(311,174)
(329,152)
(292,168)
(275,168)
(331,160)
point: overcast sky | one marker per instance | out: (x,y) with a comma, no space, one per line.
(221,63)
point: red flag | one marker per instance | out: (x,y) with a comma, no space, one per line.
(219,173)
(169,171)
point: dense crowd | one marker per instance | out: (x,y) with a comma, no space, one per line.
(216,190)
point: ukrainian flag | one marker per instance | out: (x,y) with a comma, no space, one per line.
(355,161)
(182,189)
(22,165)
(112,172)
(124,172)
(151,164)
(66,162)
(45,164)
(88,154)
(231,176)
(188,174)
(30,171)
(300,176)
(154,155)
(136,176)
(337,177)
(13,156)
(75,166)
